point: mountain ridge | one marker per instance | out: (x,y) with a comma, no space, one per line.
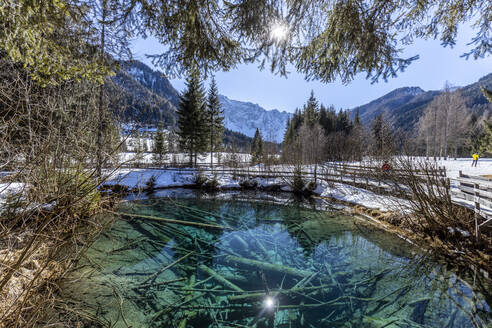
(148,96)
(404,106)
(151,97)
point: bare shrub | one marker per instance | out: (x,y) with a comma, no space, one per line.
(48,141)
(430,208)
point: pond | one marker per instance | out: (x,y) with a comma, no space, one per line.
(266,263)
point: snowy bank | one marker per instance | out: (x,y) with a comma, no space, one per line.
(135,179)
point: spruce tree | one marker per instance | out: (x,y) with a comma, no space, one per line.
(357,118)
(311,111)
(382,137)
(377,134)
(485,140)
(257,147)
(290,133)
(357,136)
(159,148)
(215,120)
(343,123)
(323,117)
(327,119)
(297,119)
(192,128)
(487,94)
(138,149)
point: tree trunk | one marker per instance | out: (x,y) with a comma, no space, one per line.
(427,146)
(100,128)
(435,133)
(211,145)
(446,132)
(29,117)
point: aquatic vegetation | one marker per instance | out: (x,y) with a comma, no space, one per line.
(254,264)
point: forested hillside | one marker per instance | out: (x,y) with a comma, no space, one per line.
(403,107)
(141,95)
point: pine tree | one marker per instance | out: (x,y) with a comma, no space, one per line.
(311,111)
(487,94)
(485,141)
(382,137)
(257,147)
(138,149)
(192,129)
(327,119)
(357,135)
(159,148)
(377,134)
(297,119)
(356,118)
(343,123)
(215,120)
(290,133)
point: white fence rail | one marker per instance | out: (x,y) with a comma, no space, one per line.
(478,190)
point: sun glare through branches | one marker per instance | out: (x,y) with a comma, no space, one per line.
(279,32)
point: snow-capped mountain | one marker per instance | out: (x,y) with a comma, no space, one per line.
(245,117)
(152,98)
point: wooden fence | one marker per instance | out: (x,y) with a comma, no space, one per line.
(184,165)
(363,176)
(477,190)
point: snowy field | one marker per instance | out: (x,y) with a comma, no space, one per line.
(484,166)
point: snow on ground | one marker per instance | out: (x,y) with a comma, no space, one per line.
(484,166)
(361,196)
(10,188)
(183,158)
(137,178)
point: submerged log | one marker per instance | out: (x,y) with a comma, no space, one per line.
(220,279)
(234,277)
(180,305)
(196,210)
(186,300)
(173,221)
(269,266)
(155,275)
(159,283)
(188,314)
(262,294)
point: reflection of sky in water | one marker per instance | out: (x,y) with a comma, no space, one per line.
(367,278)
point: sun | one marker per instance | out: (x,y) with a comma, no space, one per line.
(279,32)
(269,302)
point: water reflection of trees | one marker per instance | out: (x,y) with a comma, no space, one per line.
(340,276)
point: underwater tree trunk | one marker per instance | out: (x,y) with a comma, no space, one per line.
(268,266)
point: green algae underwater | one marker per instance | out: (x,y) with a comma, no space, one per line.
(265,262)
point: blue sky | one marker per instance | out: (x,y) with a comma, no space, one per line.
(435,66)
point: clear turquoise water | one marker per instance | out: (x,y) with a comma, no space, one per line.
(275,265)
